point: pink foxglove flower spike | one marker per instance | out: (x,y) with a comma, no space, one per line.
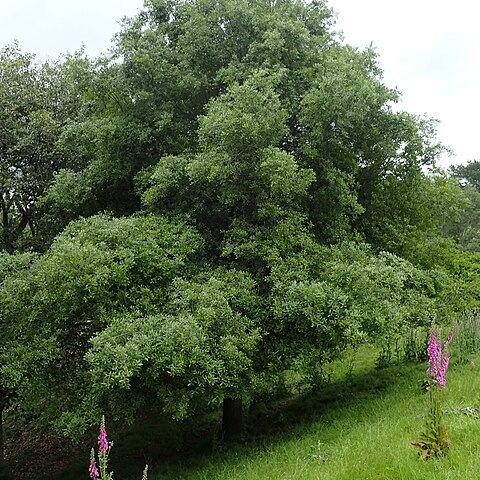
(438,358)
(102,437)
(92,469)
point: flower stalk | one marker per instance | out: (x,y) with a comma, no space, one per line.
(434,441)
(100,472)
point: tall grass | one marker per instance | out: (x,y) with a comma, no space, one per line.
(467,336)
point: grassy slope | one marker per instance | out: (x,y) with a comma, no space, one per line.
(359,426)
(355,429)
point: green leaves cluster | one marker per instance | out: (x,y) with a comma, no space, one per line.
(196,351)
(268,208)
(97,268)
(38,102)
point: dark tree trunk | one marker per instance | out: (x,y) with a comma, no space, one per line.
(4,469)
(6,232)
(232,420)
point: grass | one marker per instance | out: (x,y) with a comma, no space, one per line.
(358,426)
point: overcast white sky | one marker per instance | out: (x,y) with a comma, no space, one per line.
(429,49)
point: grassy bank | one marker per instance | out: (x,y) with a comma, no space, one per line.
(360,427)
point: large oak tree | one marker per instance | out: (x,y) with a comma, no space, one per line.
(261,153)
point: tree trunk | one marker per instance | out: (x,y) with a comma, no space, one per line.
(4,470)
(232,420)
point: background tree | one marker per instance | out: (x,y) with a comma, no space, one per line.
(37,102)
(468,174)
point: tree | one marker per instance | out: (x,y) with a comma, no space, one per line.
(468,174)
(37,102)
(464,226)
(259,144)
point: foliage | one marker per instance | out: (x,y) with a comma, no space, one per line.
(11,266)
(97,268)
(38,101)
(168,62)
(456,207)
(460,292)
(194,352)
(344,296)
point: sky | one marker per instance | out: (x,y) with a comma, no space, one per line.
(50,28)
(428,49)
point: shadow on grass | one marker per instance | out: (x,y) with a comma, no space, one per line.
(174,448)
(270,423)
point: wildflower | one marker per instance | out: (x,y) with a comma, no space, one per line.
(442,371)
(438,358)
(434,442)
(101,472)
(434,351)
(102,437)
(92,469)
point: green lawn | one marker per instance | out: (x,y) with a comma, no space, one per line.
(359,428)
